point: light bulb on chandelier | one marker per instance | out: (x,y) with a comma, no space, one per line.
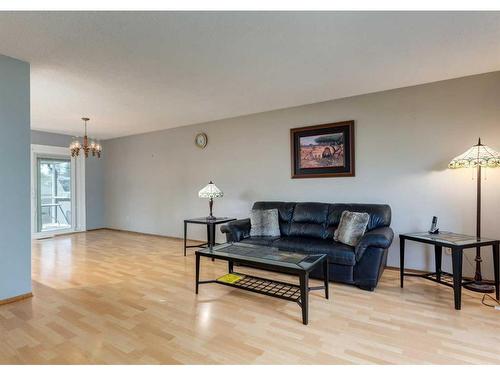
(89,146)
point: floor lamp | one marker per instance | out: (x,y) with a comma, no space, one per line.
(478,156)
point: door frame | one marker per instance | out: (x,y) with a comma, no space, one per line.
(78,212)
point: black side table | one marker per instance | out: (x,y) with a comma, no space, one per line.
(211,224)
(457,243)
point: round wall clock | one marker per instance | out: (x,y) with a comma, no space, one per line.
(201,140)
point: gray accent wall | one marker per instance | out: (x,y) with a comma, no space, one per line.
(404,141)
(94,177)
(94,192)
(50,139)
(15,242)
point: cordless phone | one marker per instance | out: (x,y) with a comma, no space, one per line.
(434,229)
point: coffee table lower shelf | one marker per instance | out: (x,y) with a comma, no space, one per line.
(273,288)
(268,287)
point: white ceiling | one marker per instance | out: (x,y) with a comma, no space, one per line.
(135,72)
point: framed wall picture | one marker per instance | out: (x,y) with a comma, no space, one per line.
(323,150)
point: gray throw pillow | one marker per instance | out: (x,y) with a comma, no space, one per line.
(351,228)
(264,223)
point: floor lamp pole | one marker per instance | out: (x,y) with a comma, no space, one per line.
(478,285)
(478,277)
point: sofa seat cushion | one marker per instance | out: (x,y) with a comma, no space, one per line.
(260,240)
(337,252)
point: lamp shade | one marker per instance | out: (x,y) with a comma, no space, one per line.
(478,155)
(210,191)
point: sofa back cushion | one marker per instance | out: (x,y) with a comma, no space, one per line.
(285,210)
(309,220)
(319,220)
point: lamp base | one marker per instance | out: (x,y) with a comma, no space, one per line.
(211,217)
(480,286)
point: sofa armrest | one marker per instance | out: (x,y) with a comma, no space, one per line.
(379,237)
(236,230)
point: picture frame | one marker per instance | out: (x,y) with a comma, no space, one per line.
(325,150)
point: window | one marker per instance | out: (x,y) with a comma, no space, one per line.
(54,194)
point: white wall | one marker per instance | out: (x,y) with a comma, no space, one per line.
(404,141)
(15,231)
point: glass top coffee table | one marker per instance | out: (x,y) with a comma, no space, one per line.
(270,259)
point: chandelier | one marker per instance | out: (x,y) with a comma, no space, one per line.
(88,145)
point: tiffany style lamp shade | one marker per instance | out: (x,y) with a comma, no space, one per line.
(210,192)
(478,156)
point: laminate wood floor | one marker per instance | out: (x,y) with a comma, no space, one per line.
(118,298)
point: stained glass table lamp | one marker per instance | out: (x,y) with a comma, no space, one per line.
(210,192)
